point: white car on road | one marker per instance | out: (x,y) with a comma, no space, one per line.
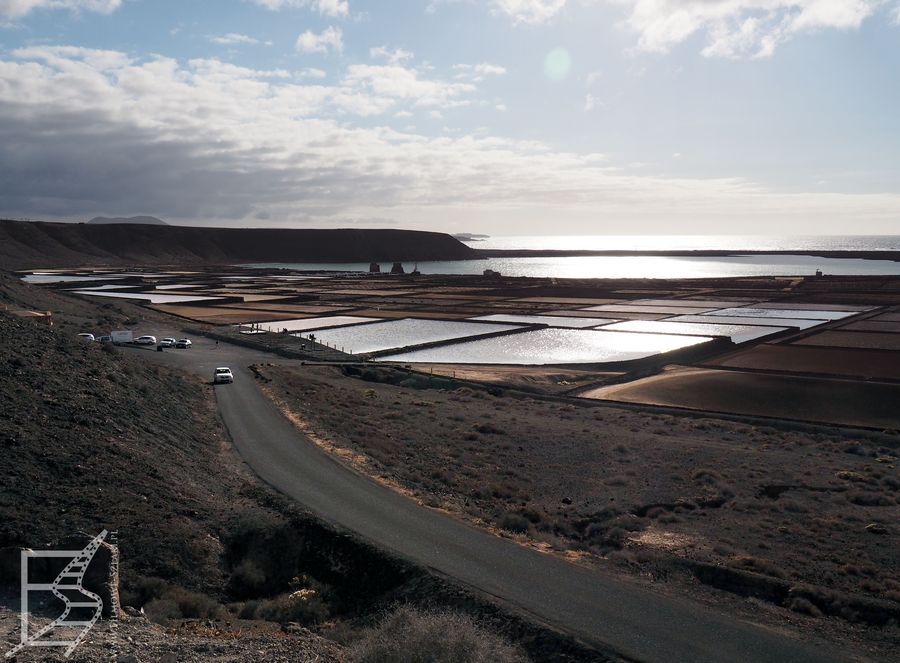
(222,375)
(145,340)
(184,343)
(167,343)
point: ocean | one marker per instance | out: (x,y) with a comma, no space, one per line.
(656,266)
(691,242)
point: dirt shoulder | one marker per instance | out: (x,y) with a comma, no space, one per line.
(799,521)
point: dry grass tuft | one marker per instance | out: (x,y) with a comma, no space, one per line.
(410,636)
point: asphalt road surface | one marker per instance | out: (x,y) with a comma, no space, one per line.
(607,611)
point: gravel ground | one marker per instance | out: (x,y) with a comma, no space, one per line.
(137,640)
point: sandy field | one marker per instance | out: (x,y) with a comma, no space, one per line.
(851,339)
(529,378)
(873,325)
(846,362)
(826,400)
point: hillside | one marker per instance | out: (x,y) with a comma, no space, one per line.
(26,245)
(94,438)
(130,220)
(97,437)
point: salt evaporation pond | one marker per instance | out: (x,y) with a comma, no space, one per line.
(403,333)
(807,306)
(65,278)
(737,333)
(147,296)
(628,307)
(552,346)
(179,286)
(116,286)
(714,318)
(549,320)
(806,314)
(703,303)
(305,324)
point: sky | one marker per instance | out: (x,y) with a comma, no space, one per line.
(502,117)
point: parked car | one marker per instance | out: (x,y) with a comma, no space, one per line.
(223,374)
(105,339)
(145,340)
(167,343)
(86,337)
(183,343)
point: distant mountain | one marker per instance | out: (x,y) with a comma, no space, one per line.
(470,237)
(131,220)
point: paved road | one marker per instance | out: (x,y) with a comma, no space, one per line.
(607,611)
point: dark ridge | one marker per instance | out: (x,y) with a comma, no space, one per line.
(27,245)
(131,220)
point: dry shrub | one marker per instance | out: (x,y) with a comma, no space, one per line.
(162,611)
(411,636)
(868,498)
(706,475)
(514,522)
(247,580)
(758,565)
(803,606)
(669,519)
(305,606)
(175,603)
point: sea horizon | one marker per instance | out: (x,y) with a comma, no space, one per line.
(686,242)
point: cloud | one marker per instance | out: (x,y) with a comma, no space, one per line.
(393,56)
(738,28)
(476,73)
(210,142)
(233,38)
(330,38)
(732,28)
(19,8)
(311,72)
(396,82)
(335,8)
(529,11)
